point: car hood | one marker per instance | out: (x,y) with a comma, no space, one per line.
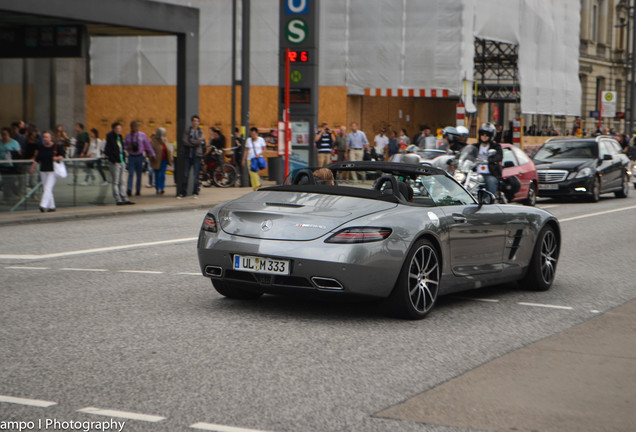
(566,164)
(293,215)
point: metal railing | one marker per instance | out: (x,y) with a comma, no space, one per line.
(87,185)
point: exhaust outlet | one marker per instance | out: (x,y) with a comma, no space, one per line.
(213,271)
(327,283)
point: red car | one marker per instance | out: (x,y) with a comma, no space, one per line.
(517,163)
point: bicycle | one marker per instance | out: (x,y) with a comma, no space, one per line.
(216,171)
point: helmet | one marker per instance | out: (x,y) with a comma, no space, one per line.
(488,129)
(462,131)
(451,133)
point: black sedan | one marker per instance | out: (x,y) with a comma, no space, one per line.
(587,167)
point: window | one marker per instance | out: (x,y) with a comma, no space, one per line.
(508,156)
(521,156)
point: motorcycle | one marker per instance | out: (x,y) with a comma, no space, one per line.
(215,171)
(468,176)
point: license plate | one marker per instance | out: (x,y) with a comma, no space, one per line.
(547,186)
(257,264)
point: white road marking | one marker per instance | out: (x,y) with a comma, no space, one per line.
(141,271)
(189,274)
(83,269)
(27,268)
(596,214)
(479,299)
(121,414)
(220,428)
(548,206)
(545,306)
(96,250)
(30,402)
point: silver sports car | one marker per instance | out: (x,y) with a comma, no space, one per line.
(406,233)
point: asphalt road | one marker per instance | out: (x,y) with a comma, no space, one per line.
(91,323)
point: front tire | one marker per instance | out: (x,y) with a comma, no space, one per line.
(624,192)
(417,287)
(596,190)
(542,268)
(234,291)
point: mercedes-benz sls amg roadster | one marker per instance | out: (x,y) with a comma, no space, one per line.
(401,232)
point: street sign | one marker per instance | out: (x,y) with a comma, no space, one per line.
(298,61)
(608,104)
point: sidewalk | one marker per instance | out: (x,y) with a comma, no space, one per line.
(147,202)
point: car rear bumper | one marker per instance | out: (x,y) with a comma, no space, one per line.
(315,265)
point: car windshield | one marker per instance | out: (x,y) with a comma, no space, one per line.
(430,154)
(567,150)
(427,189)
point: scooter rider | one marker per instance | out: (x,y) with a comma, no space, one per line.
(450,137)
(487,149)
(462,139)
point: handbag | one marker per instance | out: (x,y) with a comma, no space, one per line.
(258,163)
(60,169)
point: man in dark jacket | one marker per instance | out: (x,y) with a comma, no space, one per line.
(193,143)
(114,151)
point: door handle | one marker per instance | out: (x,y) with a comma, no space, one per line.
(459,218)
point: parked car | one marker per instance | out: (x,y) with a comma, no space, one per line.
(403,232)
(516,163)
(588,167)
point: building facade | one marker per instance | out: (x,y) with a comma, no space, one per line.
(605,61)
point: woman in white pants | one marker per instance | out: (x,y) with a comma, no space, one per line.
(46,155)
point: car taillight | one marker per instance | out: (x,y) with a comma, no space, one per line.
(209,223)
(359,235)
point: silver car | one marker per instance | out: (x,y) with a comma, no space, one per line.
(402,232)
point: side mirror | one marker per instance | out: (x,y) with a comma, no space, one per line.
(607,157)
(508,164)
(485,197)
(492,152)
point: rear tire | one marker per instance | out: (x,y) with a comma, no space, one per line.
(532,196)
(542,268)
(234,291)
(417,287)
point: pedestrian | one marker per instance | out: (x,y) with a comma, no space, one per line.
(61,139)
(81,141)
(357,144)
(162,159)
(341,144)
(94,151)
(324,144)
(136,145)
(394,146)
(193,143)
(48,153)
(254,148)
(9,149)
(381,142)
(114,152)
(403,139)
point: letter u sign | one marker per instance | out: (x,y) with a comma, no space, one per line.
(296,7)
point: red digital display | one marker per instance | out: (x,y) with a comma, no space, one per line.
(298,56)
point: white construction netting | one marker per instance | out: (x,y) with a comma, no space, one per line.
(376,44)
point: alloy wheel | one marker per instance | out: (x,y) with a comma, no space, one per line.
(549,256)
(423,279)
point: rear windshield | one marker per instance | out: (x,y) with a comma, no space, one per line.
(567,150)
